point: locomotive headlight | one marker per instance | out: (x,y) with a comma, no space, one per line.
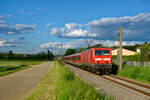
(106,58)
(98,59)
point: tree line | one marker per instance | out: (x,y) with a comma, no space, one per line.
(48,55)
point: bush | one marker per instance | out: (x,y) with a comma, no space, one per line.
(145,53)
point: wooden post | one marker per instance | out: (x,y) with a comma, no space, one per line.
(118,56)
(120,51)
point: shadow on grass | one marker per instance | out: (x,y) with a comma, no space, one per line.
(114,69)
(7,68)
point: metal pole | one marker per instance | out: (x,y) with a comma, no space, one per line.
(120,51)
(61,50)
(80,45)
(88,43)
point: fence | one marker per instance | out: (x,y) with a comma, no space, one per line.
(134,63)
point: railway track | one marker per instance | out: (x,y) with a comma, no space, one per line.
(134,86)
(141,88)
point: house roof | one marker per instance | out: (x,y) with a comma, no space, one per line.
(124,49)
(138,47)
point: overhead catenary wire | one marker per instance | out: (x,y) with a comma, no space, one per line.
(132,7)
(114,37)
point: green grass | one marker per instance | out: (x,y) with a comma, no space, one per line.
(7,66)
(9,69)
(137,73)
(19,62)
(62,84)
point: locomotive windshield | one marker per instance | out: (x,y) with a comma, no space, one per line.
(102,52)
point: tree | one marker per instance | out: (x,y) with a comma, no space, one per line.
(145,52)
(70,51)
(83,49)
(50,55)
(19,56)
(10,54)
(132,47)
(1,55)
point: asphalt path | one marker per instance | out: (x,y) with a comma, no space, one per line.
(21,84)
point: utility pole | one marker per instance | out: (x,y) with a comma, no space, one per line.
(80,45)
(88,43)
(120,51)
(61,50)
(118,56)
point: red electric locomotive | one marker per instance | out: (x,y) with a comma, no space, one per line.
(97,60)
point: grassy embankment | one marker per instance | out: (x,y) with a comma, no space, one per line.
(61,84)
(137,73)
(10,66)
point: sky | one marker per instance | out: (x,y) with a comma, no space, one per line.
(32,26)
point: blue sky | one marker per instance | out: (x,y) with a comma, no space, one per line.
(31,26)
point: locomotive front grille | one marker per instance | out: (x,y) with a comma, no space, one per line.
(103,66)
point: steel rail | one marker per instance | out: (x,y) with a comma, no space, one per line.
(129,81)
(132,88)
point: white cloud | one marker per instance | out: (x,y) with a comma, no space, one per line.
(41,8)
(27,12)
(55,46)
(2,43)
(10,32)
(50,45)
(8,16)
(44,33)
(6,28)
(76,33)
(38,32)
(57,31)
(1,17)
(48,24)
(11,42)
(73,26)
(2,21)
(24,26)
(6,43)
(73,30)
(134,27)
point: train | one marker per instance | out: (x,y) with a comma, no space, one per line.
(96,60)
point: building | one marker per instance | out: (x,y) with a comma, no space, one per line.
(125,52)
